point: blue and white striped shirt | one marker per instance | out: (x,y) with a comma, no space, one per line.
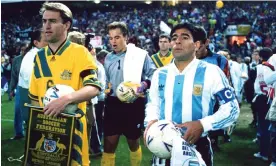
(190,95)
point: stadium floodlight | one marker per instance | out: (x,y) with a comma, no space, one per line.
(97,1)
(148,2)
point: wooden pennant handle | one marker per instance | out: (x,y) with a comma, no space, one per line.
(63,114)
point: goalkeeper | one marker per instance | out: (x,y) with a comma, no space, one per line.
(124,118)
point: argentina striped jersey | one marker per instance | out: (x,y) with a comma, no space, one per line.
(190,95)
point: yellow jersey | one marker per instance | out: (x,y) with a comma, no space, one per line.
(71,65)
(160,61)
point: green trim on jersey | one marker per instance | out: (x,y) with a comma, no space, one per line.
(64,47)
(36,71)
(44,65)
(156,60)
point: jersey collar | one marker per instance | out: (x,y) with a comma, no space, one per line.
(167,55)
(60,49)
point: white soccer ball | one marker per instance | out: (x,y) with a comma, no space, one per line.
(126,92)
(159,138)
(57,91)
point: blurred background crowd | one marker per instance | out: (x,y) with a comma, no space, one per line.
(254,23)
(241,28)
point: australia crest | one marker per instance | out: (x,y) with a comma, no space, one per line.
(50,145)
(66,75)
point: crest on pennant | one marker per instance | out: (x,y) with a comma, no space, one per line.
(50,145)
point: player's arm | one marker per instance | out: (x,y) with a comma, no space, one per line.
(226,115)
(228,111)
(269,75)
(148,70)
(87,67)
(149,67)
(153,105)
(108,87)
(55,107)
(91,87)
(84,94)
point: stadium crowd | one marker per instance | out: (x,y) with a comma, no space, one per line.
(241,61)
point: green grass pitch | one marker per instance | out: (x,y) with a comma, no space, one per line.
(237,153)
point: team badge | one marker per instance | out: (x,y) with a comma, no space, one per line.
(197,90)
(49,144)
(66,75)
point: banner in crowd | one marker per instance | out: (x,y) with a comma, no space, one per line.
(165,28)
(238,30)
(24,34)
(49,139)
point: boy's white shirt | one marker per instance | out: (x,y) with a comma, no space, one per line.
(26,68)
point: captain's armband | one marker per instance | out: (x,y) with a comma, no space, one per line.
(90,78)
(225,95)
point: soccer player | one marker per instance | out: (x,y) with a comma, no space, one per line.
(63,62)
(186,90)
(205,54)
(94,106)
(26,69)
(97,129)
(270,78)
(123,118)
(260,104)
(164,56)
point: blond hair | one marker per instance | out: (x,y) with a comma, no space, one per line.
(64,11)
(120,25)
(76,37)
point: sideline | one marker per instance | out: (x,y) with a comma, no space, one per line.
(7,120)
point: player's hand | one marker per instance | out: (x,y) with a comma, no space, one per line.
(55,107)
(109,90)
(193,132)
(141,89)
(147,128)
(12,94)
